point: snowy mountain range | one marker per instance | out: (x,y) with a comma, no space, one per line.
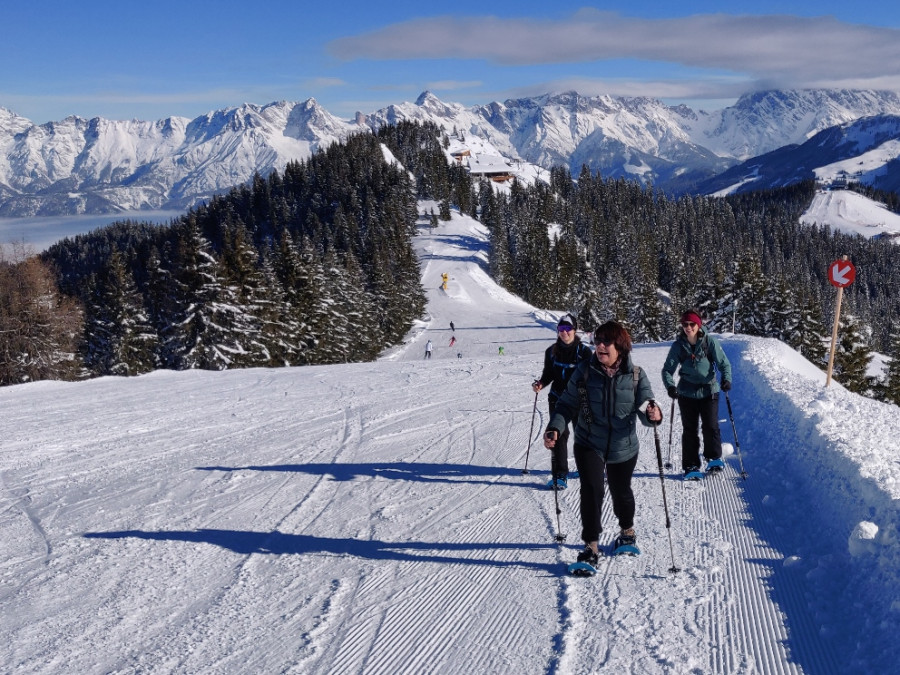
(102,166)
(864,151)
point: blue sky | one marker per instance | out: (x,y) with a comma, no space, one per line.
(124,60)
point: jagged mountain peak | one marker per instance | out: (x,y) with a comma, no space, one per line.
(431,104)
(177,162)
(864,150)
(426,97)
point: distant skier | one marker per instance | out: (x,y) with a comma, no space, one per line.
(696,354)
(452,340)
(459,355)
(452,327)
(428,348)
(500,351)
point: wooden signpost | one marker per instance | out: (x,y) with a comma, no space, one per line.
(841,273)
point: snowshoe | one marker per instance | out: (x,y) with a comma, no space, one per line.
(625,544)
(692,473)
(586,564)
(715,466)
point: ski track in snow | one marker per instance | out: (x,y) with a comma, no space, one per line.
(374,518)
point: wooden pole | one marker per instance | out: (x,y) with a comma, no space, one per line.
(834,331)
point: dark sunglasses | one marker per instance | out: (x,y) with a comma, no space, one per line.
(603,341)
(564,329)
(688,324)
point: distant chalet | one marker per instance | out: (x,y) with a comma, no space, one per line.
(488,167)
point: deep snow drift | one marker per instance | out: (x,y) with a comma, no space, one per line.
(374,518)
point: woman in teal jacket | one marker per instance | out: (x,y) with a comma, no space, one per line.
(607,394)
(697,354)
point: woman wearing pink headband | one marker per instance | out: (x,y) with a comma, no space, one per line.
(696,354)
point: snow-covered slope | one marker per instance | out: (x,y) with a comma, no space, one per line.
(848,211)
(764,121)
(101,166)
(862,151)
(374,518)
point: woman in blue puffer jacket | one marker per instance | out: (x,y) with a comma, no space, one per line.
(607,394)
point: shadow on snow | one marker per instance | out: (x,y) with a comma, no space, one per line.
(280,543)
(424,473)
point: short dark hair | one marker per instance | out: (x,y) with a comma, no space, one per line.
(613,330)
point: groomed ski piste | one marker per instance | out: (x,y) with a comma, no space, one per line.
(375,517)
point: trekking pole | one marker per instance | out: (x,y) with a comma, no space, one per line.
(530,432)
(671,427)
(662,478)
(736,442)
(559,536)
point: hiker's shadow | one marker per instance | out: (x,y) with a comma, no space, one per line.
(279,543)
(408,471)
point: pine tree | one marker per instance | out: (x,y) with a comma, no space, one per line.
(810,337)
(585,297)
(295,335)
(212,331)
(120,339)
(248,292)
(891,390)
(852,356)
(750,295)
(360,341)
(313,306)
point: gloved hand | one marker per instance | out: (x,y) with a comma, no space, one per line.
(673,392)
(726,385)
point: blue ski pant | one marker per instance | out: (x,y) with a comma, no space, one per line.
(591,469)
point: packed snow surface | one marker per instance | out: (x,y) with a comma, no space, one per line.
(376,517)
(852,213)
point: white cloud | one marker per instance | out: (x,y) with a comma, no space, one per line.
(681,89)
(776,48)
(450,85)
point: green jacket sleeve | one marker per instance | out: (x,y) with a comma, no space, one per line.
(722,362)
(671,365)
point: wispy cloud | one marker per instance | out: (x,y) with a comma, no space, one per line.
(690,88)
(453,85)
(326,82)
(783,49)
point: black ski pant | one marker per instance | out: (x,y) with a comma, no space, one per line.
(591,470)
(695,411)
(559,458)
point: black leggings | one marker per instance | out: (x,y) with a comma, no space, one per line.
(695,411)
(559,455)
(591,469)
